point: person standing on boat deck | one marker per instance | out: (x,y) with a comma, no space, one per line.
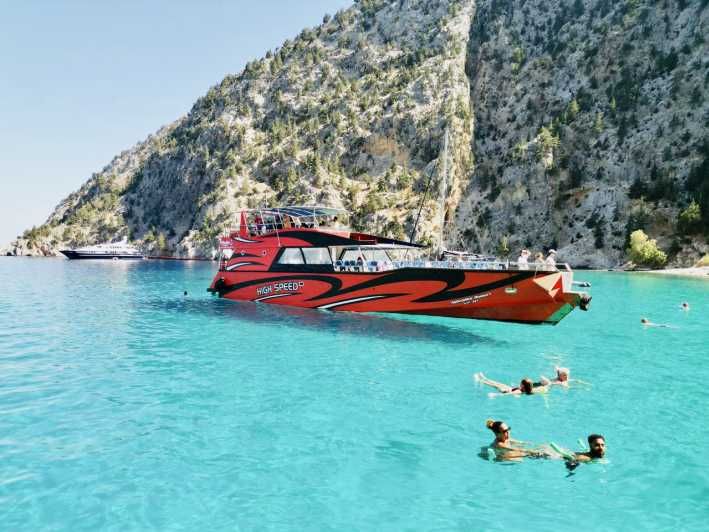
(522,261)
(538,259)
(551,259)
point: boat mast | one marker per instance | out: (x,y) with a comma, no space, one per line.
(442,192)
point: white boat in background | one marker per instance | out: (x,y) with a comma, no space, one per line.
(115,251)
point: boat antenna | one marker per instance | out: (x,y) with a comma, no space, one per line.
(425,194)
(444,179)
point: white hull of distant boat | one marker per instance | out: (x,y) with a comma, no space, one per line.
(119,251)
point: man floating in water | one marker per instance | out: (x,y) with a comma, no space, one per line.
(597,451)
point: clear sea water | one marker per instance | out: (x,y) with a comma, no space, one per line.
(126,406)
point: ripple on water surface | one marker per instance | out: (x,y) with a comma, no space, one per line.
(126,405)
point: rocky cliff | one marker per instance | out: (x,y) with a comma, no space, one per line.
(571,123)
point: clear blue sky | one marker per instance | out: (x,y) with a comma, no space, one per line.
(80,81)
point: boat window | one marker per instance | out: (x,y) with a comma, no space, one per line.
(291,256)
(317,256)
(351,254)
(379,255)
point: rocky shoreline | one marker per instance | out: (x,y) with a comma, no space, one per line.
(700,272)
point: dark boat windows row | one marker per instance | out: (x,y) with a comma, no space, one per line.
(318,259)
(303,259)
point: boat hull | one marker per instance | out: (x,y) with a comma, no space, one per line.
(76,255)
(501,295)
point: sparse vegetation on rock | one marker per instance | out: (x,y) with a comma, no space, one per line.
(555,114)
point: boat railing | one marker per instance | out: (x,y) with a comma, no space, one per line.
(378,266)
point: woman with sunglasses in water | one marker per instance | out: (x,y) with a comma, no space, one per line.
(506,448)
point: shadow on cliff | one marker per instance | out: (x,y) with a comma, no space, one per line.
(350,323)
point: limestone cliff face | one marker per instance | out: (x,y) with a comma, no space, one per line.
(570,123)
(590,117)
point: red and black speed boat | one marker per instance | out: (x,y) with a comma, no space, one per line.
(301,256)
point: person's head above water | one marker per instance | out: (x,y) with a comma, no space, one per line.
(499,428)
(644,320)
(526,386)
(597,446)
(562,374)
(685,305)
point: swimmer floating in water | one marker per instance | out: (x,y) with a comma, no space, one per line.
(526,386)
(647,323)
(597,451)
(562,379)
(684,306)
(505,448)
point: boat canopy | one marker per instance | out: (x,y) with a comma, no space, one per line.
(267,219)
(299,211)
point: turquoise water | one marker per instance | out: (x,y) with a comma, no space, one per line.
(126,406)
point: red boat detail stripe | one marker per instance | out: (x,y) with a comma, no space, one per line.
(348,301)
(277,295)
(239,264)
(445,294)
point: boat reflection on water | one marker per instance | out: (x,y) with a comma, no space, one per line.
(350,323)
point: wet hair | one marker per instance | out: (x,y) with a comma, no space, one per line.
(594,437)
(526,386)
(495,426)
(562,371)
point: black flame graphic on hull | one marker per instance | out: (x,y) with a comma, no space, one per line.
(452,278)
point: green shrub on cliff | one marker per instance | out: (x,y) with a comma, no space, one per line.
(644,252)
(689,220)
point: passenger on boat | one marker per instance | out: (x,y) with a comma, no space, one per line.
(522,261)
(526,386)
(505,447)
(551,259)
(539,259)
(597,451)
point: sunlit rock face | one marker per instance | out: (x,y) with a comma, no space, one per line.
(570,124)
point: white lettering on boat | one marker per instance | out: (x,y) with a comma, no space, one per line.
(470,299)
(286,286)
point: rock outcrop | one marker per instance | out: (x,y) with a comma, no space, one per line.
(571,124)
